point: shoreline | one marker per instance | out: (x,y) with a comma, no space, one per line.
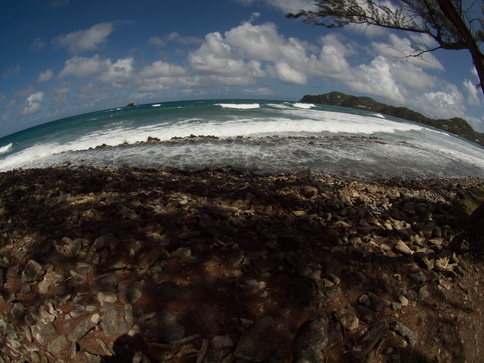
(221,264)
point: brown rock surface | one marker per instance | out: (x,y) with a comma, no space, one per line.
(222,265)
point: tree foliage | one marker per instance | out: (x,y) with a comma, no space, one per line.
(452,24)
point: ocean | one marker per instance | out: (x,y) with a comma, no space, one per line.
(251,135)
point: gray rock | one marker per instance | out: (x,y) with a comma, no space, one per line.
(106,297)
(71,248)
(254,347)
(33,271)
(409,335)
(43,331)
(402,248)
(116,320)
(58,345)
(202,318)
(50,278)
(311,339)
(365,340)
(164,326)
(150,258)
(298,263)
(84,327)
(129,293)
(107,282)
(347,317)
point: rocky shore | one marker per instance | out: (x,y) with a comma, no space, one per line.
(127,265)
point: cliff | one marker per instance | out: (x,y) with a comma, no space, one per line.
(454,125)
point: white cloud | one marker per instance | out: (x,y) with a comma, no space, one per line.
(85,40)
(33,103)
(376,79)
(37,45)
(83,67)
(444,104)
(216,57)
(162,69)
(402,49)
(119,71)
(285,6)
(11,71)
(45,75)
(474,94)
(288,75)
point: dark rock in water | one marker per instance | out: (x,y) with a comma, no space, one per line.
(32,272)
(311,339)
(131,104)
(202,318)
(165,327)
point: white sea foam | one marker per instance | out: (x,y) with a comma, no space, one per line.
(6,148)
(241,106)
(156,105)
(304,105)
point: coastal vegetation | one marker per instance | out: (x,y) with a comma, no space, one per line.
(456,125)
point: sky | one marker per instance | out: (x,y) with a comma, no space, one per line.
(60,58)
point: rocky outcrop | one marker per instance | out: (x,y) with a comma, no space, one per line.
(225,266)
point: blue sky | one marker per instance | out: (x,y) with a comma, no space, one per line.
(65,57)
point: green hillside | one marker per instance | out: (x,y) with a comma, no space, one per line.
(454,125)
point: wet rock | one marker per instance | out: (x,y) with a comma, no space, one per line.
(165,327)
(311,339)
(84,327)
(33,271)
(202,318)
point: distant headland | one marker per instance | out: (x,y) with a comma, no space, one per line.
(454,125)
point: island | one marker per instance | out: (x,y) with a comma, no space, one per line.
(456,125)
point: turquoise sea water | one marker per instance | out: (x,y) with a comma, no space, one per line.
(263,136)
